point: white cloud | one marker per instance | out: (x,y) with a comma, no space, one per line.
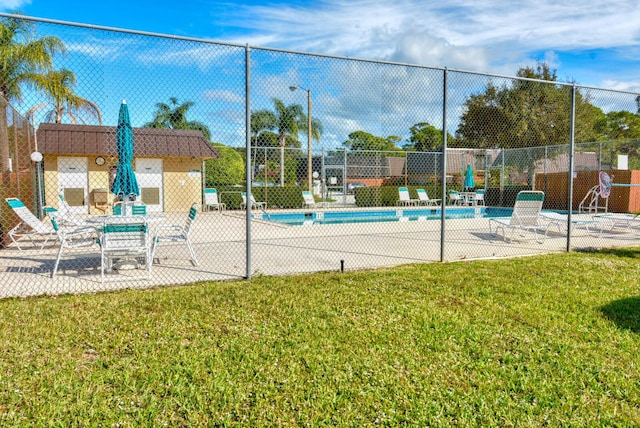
(11,5)
(627,86)
(224,96)
(489,36)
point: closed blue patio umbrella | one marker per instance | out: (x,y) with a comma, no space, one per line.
(469,183)
(125,184)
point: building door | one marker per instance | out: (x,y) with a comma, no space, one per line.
(73,183)
(149,174)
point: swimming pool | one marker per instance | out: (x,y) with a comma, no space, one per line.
(306,218)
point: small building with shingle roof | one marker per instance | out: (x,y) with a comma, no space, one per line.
(81,160)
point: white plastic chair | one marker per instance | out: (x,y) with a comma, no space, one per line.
(71,238)
(125,238)
(129,208)
(177,234)
(309,200)
(478,197)
(211,201)
(455,198)
(424,199)
(64,215)
(404,198)
(254,203)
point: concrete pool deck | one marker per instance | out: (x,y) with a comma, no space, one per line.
(277,249)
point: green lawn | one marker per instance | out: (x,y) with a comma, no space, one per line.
(550,340)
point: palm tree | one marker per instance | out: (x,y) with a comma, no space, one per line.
(23,57)
(174,116)
(58,87)
(286,121)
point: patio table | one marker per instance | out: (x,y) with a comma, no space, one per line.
(100,219)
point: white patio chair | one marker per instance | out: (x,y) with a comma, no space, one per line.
(404,198)
(125,238)
(525,216)
(64,214)
(29,226)
(129,208)
(455,198)
(254,203)
(211,201)
(177,234)
(424,199)
(478,197)
(309,200)
(71,238)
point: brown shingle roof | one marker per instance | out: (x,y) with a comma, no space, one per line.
(56,138)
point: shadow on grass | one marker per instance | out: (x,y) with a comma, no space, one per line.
(632,252)
(625,313)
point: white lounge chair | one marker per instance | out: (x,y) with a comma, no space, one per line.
(424,199)
(560,221)
(177,234)
(71,238)
(211,201)
(404,198)
(611,221)
(254,203)
(125,238)
(525,216)
(309,200)
(30,226)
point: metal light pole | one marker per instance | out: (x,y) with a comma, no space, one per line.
(309,155)
(37,158)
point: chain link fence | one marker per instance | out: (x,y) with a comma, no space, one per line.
(342,160)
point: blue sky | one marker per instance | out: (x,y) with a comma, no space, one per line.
(593,42)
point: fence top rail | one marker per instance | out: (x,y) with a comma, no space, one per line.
(118,30)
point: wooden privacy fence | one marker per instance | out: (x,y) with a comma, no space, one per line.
(623,199)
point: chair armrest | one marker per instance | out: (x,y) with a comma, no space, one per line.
(168,228)
(83,230)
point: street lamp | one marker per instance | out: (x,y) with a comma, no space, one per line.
(309,157)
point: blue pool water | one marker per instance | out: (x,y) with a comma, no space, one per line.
(387,215)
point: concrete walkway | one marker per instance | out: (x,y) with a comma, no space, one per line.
(219,241)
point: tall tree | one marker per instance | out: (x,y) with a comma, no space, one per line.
(23,56)
(618,125)
(174,116)
(619,129)
(58,86)
(425,137)
(361,140)
(286,121)
(527,113)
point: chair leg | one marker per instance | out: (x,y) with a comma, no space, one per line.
(55,266)
(153,248)
(148,262)
(102,260)
(194,260)
(15,241)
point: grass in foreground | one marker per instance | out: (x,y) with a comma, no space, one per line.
(549,340)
